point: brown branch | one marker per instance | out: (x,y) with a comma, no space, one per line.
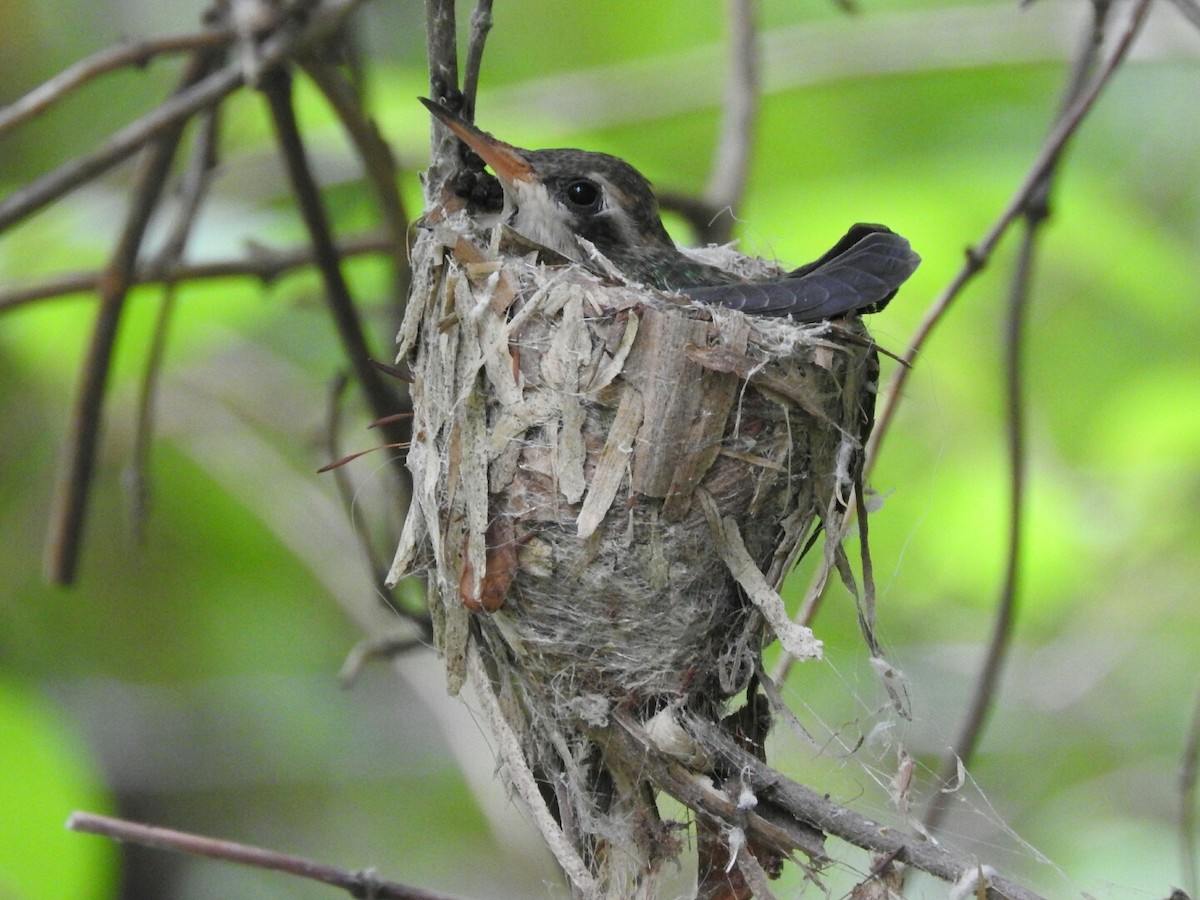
(265,264)
(346,493)
(357,884)
(442,46)
(1188,768)
(700,215)
(1190,10)
(383,401)
(378,162)
(441,43)
(125,54)
(195,186)
(75,476)
(625,742)
(731,163)
(481,24)
(978,256)
(815,810)
(1034,216)
(278,47)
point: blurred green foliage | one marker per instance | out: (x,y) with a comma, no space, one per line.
(195,672)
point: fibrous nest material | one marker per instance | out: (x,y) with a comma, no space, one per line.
(609,484)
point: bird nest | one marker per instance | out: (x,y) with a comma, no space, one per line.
(609,485)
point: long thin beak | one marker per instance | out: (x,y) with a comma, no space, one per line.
(504,159)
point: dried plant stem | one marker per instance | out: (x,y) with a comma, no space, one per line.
(978,256)
(194,188)
(126,54)
(1189,766)
(378,162)
(1034,215)
(357,884)
(731,163)
(481,24)
(276,87)
(804,805)
(70,509)
(280,46)
(523,781)
(264,264)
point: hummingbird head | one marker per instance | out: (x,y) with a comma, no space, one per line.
(554,197)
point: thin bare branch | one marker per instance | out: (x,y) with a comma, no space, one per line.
(1189,766)
(263,263)
(119,56)
(804,805)
(1034,215)
(383,401)
(370,650)
(1191,11)
(75,476)
(347,493)
(357,884)
(442,45)
(731,162)
(978,256)
(122,144)
(378,161)
(481,24)
(194,188)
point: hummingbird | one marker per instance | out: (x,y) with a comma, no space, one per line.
(557,197)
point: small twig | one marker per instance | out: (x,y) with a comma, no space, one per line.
(731,163)
(381,648)
(806,806)
(357,884)
(276,87)
(700,215)
(626,741)
(978,256)
(1034,216)
(125,142)
(481,24)
(378,161)
(341,478)
(441,42)
(266,265)
(1189,765)
(75,478)
(1191,11)
(136,54)
(983,694)
(194,187)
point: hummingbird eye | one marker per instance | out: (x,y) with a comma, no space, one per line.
(582,193)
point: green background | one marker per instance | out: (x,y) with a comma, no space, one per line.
(190,680)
